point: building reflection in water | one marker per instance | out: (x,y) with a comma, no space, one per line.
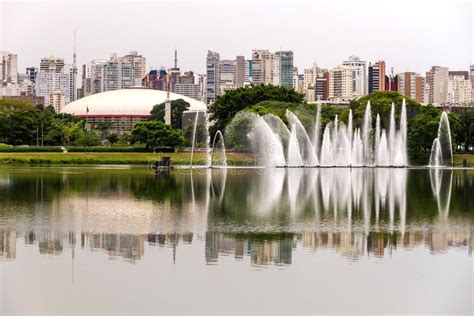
(262,249)
(264,216)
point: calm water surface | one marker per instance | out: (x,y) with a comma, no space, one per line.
(298,241)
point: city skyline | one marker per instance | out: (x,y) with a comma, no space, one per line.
(308,39)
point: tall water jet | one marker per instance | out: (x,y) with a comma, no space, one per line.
(208,141)
(391,134)
(317,131)
(219,141)
(377,138)
(357,157)
(294,158)
(436,157)
(403,131)
(267,145)
(326,157)
(349,127)
(383,158)
(194,137)
(444,136)
(305,146)
(280,128)
(366,131)
(343,148)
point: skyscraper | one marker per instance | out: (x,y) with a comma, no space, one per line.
(283,69)
(412,85)
(55,78)
(459,88)
(212,76)
(437,79)
(340,83)
(227,72)
(262,66)
(32,73)
(322,86)
(359,75)
(240,76)
(376,78)
(8,67)
(52,64)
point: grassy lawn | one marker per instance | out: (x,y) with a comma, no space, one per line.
(180,158)
(458,159)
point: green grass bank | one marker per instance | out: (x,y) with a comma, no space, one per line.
(104,158)
(124,158)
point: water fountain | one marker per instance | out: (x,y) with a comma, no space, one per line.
(341,145)
(442,149)
(205,141)
(222,160)
(277,144)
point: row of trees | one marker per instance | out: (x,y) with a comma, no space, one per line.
(23,124)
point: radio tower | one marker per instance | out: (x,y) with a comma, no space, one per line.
(74,70)
(175,58)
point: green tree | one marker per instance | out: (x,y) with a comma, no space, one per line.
(201,135)
(103,127)
(226,106)
(177,108)
(381,103)
(113,138)
(465,131)
(17,122)
(156,134)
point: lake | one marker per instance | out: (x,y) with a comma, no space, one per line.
(122,240)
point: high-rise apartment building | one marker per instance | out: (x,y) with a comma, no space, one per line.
(8,67)
(340,83)
(437,79)
(471,75)
(52,64)
(212,76)
(412,85)
(322,86)
(114,73)
(48,83)
(376,78)
(359,75)
(310,75)
(32,73)
(459,88)
(240,73)
(132,70)
(54,77)
(283,69)
(227,71)
(298,81)
(262,66)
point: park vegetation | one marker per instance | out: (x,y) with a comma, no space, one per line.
(21,123)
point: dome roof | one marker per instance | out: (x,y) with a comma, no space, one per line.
(137,101)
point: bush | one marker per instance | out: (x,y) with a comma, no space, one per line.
(102,149)
(31,149)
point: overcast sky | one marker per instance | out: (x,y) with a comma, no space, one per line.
(408,35)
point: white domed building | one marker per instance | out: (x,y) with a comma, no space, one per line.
(125,107)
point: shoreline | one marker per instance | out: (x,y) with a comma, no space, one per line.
(144,159)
